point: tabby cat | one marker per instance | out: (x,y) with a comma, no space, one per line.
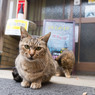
(34,63)
(66,61)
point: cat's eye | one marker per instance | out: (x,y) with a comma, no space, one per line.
(38,48)
(27,46)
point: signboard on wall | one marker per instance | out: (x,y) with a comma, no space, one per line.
(13,26)
(62,35)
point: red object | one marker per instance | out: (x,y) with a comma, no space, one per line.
(19,6)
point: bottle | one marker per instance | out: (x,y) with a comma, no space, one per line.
(21,13)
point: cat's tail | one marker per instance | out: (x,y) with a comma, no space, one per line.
(16,76)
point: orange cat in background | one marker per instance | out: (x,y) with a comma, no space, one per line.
(66,61)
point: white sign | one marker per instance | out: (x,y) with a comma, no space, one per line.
(76,2)
(76,33)
(13,26)
(90,11)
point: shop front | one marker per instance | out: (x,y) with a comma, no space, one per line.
(37,10)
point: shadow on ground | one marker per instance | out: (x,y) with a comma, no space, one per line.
(10,87)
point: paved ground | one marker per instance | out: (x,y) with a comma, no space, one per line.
(57,86)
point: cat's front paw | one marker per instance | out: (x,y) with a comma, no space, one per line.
(57,74)
(25,84)
(68,76)
(67,73)
(35,85)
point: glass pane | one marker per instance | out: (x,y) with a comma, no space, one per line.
(76,11)
(67,9)
(52,9)
(84,3)
(87,43)
(31,10)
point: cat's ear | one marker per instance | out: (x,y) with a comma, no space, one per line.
(24,33)
(46,37)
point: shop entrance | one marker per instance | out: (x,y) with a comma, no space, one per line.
(38,10)
(66,10)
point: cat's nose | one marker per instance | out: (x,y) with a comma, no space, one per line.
(32,52)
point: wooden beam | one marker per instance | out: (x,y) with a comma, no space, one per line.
(71,9)
(84,20)
(3,10)
(85,66)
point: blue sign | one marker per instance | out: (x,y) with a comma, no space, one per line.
(62,35)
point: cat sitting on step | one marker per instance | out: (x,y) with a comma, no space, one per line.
(66,61)
(34,63)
